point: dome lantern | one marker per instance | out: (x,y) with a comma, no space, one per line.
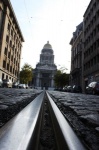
(47,46)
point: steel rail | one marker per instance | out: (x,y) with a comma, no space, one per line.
(22,131)
(65,136)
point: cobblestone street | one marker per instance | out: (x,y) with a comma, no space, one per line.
(81,110)
(13,100)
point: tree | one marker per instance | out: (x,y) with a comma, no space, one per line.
(61,79)
(26,73)
(57,78)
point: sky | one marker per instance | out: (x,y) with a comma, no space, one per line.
(48,20)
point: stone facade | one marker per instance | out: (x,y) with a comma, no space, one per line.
(10,42)
(45,69)
(91,42)
(76,56)
(85,59)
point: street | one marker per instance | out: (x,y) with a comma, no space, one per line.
(81,110)
(13,100)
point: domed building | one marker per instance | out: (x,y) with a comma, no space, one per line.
(45,69)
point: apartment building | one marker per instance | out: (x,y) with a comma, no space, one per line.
(91,42)
(76,56)
(11,40)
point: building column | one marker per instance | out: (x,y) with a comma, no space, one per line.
(38,80)
(52,82)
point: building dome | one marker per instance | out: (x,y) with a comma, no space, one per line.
(47,46)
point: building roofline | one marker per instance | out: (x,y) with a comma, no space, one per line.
(87,8)
(8,3)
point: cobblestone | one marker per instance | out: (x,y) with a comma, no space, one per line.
(82,112)
(13,100)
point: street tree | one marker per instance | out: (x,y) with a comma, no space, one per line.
(61,79)
(26,73)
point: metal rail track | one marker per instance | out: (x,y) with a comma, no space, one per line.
(23,131)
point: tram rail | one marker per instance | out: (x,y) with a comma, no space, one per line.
(22,132)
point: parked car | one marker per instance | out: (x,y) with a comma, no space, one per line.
(7,83)
(22,86)
(76,89)
(93,88)
(65,89)
(27,87)
(1,82)
(15,85)
(69,88)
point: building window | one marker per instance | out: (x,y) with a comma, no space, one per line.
(9,55)
(98,28)
(91,10)
(2,76)
(7,39)
(15,72)
(98,43)
(98,58)
(4,64)
(8,67)
(91,22)
(91,62)
(94,6)
(9,27)
(12,33)
(5,51)
(19,56)
(97,14)
(10,43)
(89,51)
(16,63)
(91,35)
(94,45)
(14,36)
(94,31)
(13,47)
(84,67)
(11,69)
(12,58)
(6,76)
(15,50)
(91,48)
(94,60)
(94,18)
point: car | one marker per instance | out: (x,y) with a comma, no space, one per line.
(69,88)
(22,86)
(65,89)
(7,83)
(93,88)
(1,82)
(15,84)
(77,89)
(27,87)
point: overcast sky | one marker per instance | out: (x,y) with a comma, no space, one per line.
(48,20)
